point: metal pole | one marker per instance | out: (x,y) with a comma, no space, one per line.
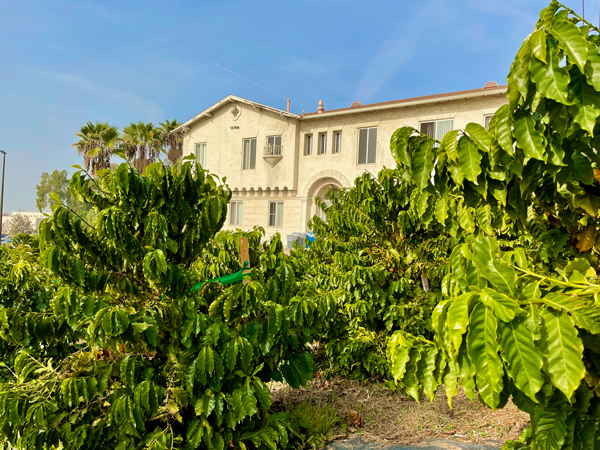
(2,194)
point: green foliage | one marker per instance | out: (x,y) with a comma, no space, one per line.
(56,183)
(320,422)
(536,167)
(526,340)
(379,265)
(121,356)
(97,141)
(520,319)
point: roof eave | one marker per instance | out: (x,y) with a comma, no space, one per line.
(233,99)
(445,98)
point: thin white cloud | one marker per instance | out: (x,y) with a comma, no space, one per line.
(305,67)
(110,95)
(247,80)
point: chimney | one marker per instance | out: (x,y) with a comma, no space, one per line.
(288,107)
(320,109)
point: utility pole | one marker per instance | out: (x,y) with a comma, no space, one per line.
(2,194)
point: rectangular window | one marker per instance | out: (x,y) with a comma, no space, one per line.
(273,146)
(322,143)
(249,154)
(437,129)
(275,214)
(367,145)
(235,213)
(487,118)
(337,142)
(201,154)
(308,144)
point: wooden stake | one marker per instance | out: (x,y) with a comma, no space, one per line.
(245,258)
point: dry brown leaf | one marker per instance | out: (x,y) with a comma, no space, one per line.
(586,238)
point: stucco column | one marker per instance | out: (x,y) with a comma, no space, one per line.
(303,214)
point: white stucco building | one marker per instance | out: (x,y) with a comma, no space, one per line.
(277,162)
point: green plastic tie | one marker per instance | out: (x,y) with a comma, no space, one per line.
(226,279)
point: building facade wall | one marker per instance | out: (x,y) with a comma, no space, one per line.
(297,178)
(224,138)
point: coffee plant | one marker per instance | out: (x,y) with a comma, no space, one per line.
(121,355)
(379,265)
(521,321)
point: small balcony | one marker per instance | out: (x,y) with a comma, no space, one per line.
(272,154)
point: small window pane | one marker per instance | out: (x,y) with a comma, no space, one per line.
(201,154)
(322,143)
(275,214)
(442,128)
(372,154)
(308,144)
(486,121)
(235,213)
(428,128)
(249,154)
(337,148)
(252,153)
(279,217)
(362,145)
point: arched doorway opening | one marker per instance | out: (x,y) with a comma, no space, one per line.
(319,186)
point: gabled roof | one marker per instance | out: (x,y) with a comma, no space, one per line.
(490,89)
(233,99)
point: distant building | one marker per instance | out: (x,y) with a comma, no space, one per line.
(277,162)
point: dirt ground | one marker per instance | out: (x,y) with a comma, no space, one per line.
(379,416)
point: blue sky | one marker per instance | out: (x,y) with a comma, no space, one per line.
(63,63)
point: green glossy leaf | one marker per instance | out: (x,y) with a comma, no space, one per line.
(467,372)
(465,218)
(469,159)
(538,45)
(551,428)
(399,146)
(571,42)
(562,351)
(500,275)
(503,306)
(458,320)
(161,261)
(551,79)
(422,164)
(479,136)
(592,67)
(449,145)
(586,107)
(483,351)
(523,359)
(484,219)
(427,372)
(530,140)
(441,210)
(503,129)
(410,379)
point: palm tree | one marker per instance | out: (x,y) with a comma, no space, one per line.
(142,144)
(172,142)
(96,143)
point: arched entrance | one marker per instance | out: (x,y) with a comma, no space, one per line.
(319,186)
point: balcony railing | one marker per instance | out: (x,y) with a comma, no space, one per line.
(273,150)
